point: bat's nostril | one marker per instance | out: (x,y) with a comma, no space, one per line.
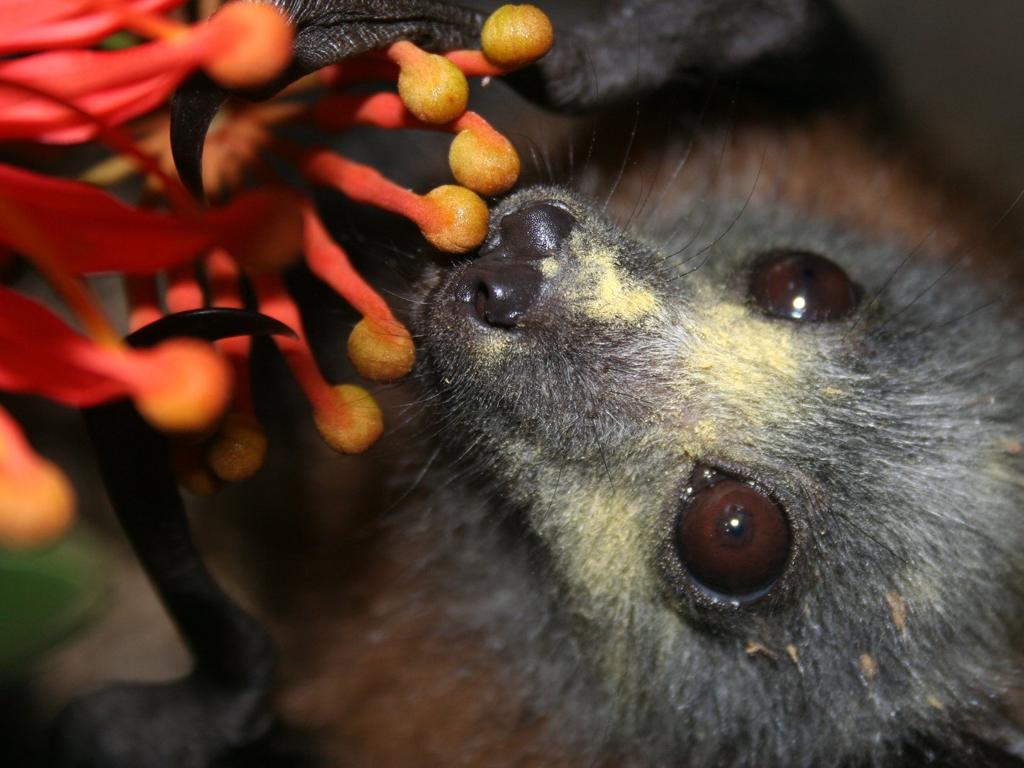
(480,300)
(501,294)
(503,283)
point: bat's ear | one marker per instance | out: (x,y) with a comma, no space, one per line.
(793,47)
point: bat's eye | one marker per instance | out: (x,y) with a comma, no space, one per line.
(799,285)
(733,540)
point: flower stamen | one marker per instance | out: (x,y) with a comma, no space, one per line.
(480,157)
(347,416)
(452,218)
(380,347)
(431,87)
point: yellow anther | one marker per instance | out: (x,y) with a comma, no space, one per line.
(379,351)
(515,35)
(237,451)
(431,87)
(485,163)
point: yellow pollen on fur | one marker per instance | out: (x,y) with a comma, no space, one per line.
(607,294)
(749,363)
(597,529)
(491,349)
(704,436)
(608,554)
(549,267)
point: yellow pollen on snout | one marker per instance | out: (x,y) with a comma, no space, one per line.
(490,350)
(549,267)
(603,291)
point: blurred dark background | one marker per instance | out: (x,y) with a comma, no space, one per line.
(957,72)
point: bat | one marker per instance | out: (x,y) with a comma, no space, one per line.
(721,462)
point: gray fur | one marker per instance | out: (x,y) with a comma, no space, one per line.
(890,440)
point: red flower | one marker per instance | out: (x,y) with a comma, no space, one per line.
(78,94)
(243,45)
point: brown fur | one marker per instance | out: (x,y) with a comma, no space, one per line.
(832,166)
(382,684)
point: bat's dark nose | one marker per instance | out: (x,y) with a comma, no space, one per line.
(504,281)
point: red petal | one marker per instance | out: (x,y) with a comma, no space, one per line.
(47,120)
(111,85)
(73,74)
(99,233)
(40,354)
(20,15)
(31,24)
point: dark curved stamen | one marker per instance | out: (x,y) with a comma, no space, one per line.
(193,108)
(211,324)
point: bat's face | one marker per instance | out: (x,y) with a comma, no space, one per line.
(772,466)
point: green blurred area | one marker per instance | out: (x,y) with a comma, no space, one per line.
(45,595)
(119,40)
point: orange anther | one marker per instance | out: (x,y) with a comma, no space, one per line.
(353,422)
(256,45)
(458,220)
(184,387)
